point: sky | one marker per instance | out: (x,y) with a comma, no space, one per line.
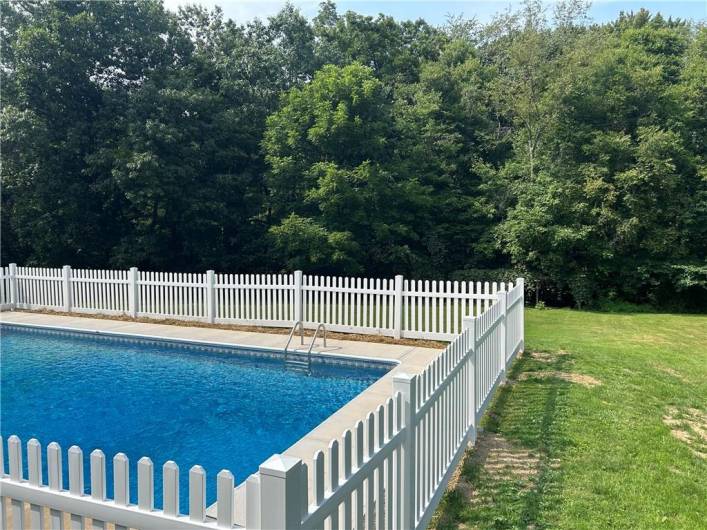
(437,12)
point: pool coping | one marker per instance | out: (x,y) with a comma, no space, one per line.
(404,359)
(372,362)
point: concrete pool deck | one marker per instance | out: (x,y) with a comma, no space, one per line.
(411,360)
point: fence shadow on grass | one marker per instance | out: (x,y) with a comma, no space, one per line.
(513,471)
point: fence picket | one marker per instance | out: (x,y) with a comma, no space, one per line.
(14,455)
(145,484)
(98,475)
(360,517)
(380,471)
(98,483)
(197,494)
(225,499)
(348,459)
(334,479)
(170,488)
(121,479)
(319,477)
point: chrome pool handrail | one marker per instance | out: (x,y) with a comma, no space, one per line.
(292,332)
(314,338)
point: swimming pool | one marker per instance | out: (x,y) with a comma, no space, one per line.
(219,407)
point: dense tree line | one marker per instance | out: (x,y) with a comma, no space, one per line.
(539,144)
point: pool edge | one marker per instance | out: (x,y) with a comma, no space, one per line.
(197,342)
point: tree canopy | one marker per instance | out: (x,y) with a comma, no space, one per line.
(539,144)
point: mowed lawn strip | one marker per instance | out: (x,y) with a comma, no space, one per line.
(603,424)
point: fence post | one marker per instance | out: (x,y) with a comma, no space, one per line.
(406,385)
(298,296)
(280,490)
(398,305)
(210,297)
(133,293)
(13,285)
(470,324)
(521,282)
(503,300)
(66,283)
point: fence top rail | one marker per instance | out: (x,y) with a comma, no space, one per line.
(471,284)
(452,295)
(172,275)
(264,286)
(344,279)
(171,283)
(51,278)
(83,279)
(351,290)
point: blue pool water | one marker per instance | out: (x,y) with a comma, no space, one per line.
(217,407)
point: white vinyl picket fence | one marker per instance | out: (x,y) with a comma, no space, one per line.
(31,502)
(391,469)
(388,472)
(395,307)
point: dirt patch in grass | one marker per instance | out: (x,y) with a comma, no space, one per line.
(499,460)
(580,379)
(651,339)
(671,372)
(542,356)
(546,357)
(378,339)
(690,427)
(503,460)
(497,470)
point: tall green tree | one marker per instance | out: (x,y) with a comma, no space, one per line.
(538,144)
(66,64)
(328,148)
(616,206)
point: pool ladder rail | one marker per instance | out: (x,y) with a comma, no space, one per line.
(293,358)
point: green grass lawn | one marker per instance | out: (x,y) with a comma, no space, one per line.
(602,425)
